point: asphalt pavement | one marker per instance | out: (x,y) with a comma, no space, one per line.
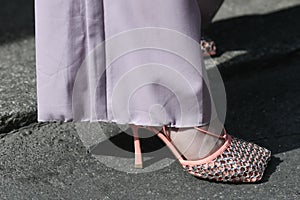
(259,61)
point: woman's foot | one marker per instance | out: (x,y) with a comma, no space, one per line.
(195,145)
(235,160)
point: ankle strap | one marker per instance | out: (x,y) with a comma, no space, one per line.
(212,134)
(166,132)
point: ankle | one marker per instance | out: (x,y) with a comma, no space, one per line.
(194,144)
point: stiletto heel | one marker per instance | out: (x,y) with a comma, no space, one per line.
(138,159)
(235,161)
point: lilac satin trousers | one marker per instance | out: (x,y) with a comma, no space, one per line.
(123,61)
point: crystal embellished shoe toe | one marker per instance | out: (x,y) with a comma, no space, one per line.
(208,47)
(235,161)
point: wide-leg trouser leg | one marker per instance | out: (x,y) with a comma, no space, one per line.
(153,85)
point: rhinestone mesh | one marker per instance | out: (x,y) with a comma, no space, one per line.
(241,162)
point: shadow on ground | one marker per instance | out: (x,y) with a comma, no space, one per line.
(16,19)
(263,107)
(249,33)
(260,36)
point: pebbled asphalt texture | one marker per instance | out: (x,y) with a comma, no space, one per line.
(259,61)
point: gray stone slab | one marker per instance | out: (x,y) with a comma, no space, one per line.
(236,8)
(49,162)
(17,84)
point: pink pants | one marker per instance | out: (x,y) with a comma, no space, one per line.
(123,61)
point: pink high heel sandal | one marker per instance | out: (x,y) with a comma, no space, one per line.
(235,161)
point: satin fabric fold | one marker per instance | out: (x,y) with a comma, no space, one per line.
(133,61)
